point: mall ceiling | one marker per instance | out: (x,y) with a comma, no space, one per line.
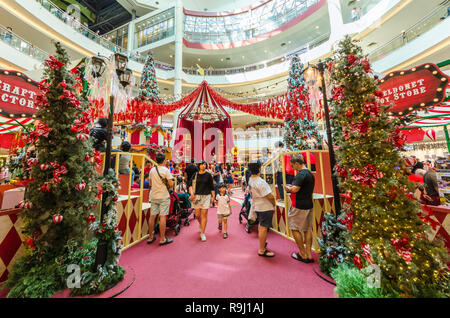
(110,14)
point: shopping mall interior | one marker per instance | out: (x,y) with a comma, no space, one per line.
(302,148)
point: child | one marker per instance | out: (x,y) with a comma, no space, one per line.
(181,187)
(136,183)
(223,208)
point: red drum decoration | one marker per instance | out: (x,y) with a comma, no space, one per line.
(431,133)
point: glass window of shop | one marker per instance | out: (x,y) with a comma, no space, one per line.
(155,28)
(246,25)
(119,37)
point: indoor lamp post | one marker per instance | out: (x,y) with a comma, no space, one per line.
(337,200)
(124,75)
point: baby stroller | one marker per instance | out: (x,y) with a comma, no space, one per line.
(245,212)
(173,220)
(185,206)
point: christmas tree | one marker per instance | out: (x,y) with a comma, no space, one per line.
(62,191)
(386,231)
(148,90)
(333,246)
(300,130)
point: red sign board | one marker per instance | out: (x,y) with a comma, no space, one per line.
(17,94)
(420,87)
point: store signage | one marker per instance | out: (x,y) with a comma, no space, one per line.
(420,87)
(17,94)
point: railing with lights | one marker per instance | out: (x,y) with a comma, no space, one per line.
(242,26)
(21,45)
(425,24)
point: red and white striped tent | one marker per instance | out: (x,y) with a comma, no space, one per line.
(10,128)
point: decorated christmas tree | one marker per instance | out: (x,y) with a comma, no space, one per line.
(148,90)
(386,228)
(300,129)
(333,245)
(62,192)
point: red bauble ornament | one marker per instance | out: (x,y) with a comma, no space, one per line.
(81,186)
(44,166)
(57,218)
(91,218)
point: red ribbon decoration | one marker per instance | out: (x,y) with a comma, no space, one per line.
(53,63)
(357,261)
(403,248)
(368,176)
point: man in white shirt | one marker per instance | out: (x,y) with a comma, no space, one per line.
(264,205)
(160,199)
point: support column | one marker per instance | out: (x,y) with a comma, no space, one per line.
(336,21)
(131,31)
(178,71)
(447,138)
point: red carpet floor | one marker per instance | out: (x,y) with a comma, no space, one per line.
(221,268)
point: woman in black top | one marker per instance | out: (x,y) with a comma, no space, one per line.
(201,189)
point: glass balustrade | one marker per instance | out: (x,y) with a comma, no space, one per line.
(77,26)
(248,68)
(353,11)
(246,25)
(424,25)
(21,45)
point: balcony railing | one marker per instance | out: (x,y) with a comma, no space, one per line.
(257,66)
(245,25)
(21,45)
(78,26)
(425,24)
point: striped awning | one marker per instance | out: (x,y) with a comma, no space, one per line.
(435,116)
(11,125)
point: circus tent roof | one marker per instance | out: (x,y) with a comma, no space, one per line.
(204,107)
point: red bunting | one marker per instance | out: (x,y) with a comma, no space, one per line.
(286,105)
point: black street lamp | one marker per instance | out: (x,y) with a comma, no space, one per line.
(124,74)
(337,199)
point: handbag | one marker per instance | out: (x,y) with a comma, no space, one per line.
(164,180)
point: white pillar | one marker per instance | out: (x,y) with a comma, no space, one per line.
(177,89)
(131,35)
(336,21)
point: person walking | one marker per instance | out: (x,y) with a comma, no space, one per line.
(190,170)
(264,203)
(300,215)
(201,189)
(160,184)
(223,209)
